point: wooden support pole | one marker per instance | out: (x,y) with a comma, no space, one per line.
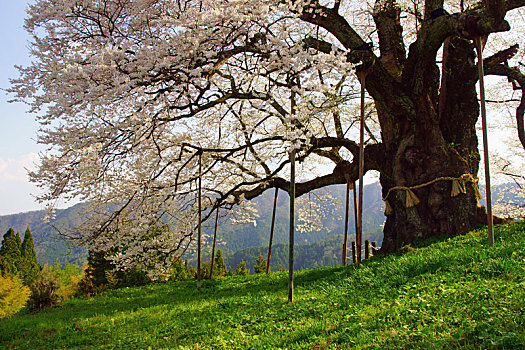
(373,243)
(199,234)
(355,207)
(345,239)
(354,257)
(214,241)
(367,249)
(359,234)
(292,225)
(479,41)
(271,231)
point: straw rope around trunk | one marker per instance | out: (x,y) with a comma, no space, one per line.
(458,187)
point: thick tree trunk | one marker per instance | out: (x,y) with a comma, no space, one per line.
(434,144)
(437,212)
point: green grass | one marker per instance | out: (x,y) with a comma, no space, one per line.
(454,293)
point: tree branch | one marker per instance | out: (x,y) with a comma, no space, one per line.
(387,19)
(514,4)
(513,74)
(373,160)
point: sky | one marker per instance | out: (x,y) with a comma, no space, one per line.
(18,147)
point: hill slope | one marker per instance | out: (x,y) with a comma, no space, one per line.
(456,292)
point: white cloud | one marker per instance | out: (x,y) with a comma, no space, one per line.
(16,192)
(15,169)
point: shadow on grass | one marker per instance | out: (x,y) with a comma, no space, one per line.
(175,295)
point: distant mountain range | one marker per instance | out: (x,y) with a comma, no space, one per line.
(51,246)
(237,237)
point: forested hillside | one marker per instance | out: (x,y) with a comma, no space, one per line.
(326,252)
(50,246)
(240,242)
(235,238)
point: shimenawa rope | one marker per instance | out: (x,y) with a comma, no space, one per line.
(458,186)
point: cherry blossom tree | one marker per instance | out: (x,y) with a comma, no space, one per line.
(129,93)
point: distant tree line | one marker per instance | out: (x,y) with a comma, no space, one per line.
(326,252)
(101,274)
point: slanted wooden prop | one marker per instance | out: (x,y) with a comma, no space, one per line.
(479,41)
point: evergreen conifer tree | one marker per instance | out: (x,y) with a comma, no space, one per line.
(260,264)
(220,265)
(18,241)
(205,270)
(97,267)
(241,269)
(181,271)
(10,252)
(3,265)
(191,270)
(29,267)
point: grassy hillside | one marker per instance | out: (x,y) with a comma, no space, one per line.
(448,293)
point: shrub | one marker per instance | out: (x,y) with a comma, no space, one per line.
(205,270)
(71,288)
(112,279)
(182,271)
(13,295)
(101,275)
(66,271)
(260,264)
(87,285)
(46,290)
(69,275)
(131,278)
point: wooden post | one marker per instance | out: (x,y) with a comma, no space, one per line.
(199,234)
(271,231)
(373,243)
(479,41)
(345,239)
(214,240)
(367,249)
(292,225)
(355,207)
(359,234)
(354,258)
